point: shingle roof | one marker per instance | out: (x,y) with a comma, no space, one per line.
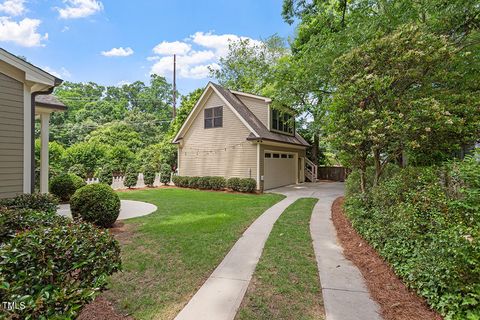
(49,101)
(255,123)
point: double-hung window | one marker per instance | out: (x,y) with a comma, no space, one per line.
(213,117)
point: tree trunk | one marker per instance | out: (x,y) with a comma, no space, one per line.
(378,166)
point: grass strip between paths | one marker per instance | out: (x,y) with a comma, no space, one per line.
(169,254)
(286,284)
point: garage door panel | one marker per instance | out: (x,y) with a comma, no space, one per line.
(278,172)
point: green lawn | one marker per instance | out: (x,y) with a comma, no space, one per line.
(169,254)
(286,284)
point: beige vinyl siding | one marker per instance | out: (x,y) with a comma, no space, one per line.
(11,137)
(218,151)
(258,107)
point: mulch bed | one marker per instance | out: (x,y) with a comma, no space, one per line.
(101,309)
(396,301)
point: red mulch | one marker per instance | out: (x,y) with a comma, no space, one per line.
(396,301)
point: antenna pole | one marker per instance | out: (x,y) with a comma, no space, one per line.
(174,85)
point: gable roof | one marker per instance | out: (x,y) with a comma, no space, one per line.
(32,72)
(259,130)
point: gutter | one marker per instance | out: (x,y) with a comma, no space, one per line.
(32,133)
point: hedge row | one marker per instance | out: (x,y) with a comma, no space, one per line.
(425,221)
(215,183)
(51,266)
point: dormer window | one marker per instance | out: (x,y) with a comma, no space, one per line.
(213,117)
(282,122)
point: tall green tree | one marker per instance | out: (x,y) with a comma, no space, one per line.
(397,94)
(249,66)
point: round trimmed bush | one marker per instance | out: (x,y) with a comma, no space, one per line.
(65,185)
(96,203)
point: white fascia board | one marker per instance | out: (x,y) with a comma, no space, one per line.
(254,96)
(32,73)
(192,114)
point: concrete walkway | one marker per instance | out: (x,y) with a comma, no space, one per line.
(128,209)
(220,296)
(345,295)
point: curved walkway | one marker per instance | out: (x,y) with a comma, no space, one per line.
(128,209)
(220,296)
(344,292)
(345,295)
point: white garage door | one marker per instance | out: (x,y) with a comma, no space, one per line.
(279,170)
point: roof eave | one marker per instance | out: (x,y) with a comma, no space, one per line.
(278,141)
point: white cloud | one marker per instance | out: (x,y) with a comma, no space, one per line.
(65,29)
(217,42)
(13,7)
(79,8)
(62,73)
(23,33)
(170,48)
(122,83)
(118,52)
(193,64)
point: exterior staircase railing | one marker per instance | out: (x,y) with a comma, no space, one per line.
(311,170)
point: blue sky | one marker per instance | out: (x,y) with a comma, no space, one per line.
(113,41)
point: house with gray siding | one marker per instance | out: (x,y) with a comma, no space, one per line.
(236,134)
(24,96)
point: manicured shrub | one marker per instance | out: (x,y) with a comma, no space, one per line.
(217,183)
(96,203)
(105,176)
(13,221)
(234,184)
(181,181)
(193,182)
(149,175)
(247,185)
(165,173)
(54,270)
(242,184)
(36,201)
(65,185)
(203,183)
(131,177)
(425,221)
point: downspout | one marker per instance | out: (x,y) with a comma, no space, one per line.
(32,119)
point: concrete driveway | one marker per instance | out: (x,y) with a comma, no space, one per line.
(318,190)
